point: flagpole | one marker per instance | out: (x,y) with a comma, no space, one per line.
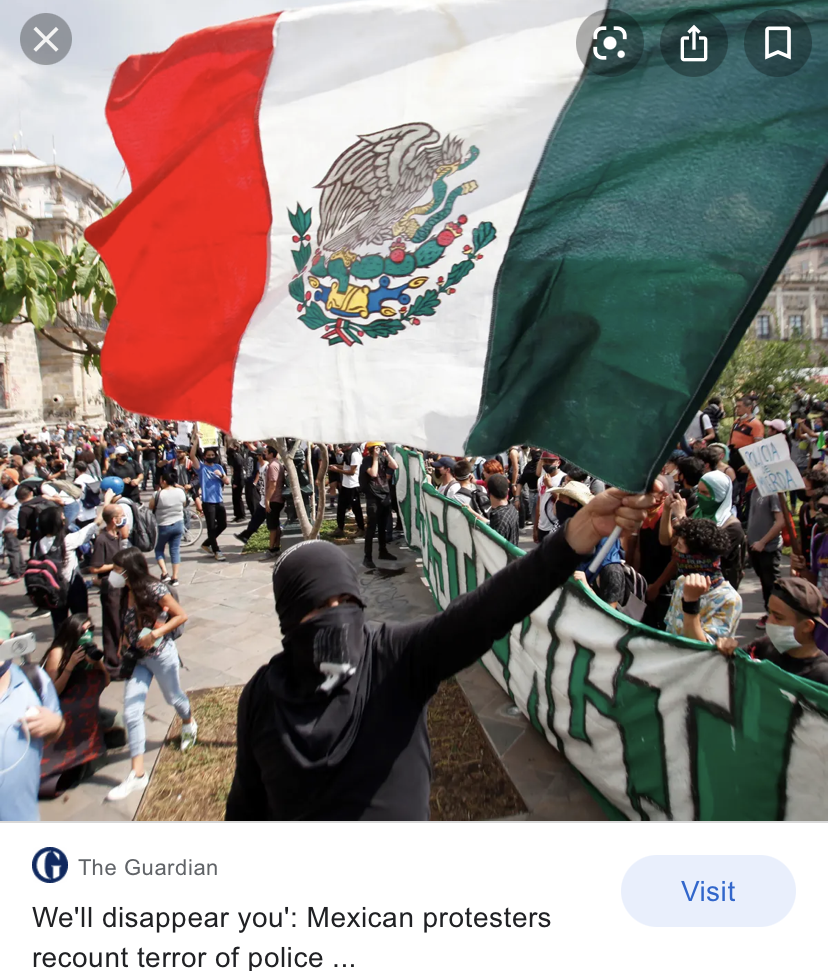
(603,552)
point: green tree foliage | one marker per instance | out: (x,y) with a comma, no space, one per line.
(771,369)
(38,280)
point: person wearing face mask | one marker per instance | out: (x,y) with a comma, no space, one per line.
(149,616)
(61,546)
(654,559)
(444,480)
(794,614)
(212,479)
(704,606)
(75,664)
(113,537)
(715,502)
(334,726)
(550,476)
(23,732)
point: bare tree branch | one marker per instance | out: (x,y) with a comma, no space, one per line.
(63,347)
(90,347)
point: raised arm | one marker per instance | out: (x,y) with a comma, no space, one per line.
(441,646)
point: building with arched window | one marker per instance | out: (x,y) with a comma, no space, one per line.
(797,306)
(40,381)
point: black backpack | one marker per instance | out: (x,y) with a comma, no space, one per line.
(45,584)
(144,533)
(91,497)
(478,499)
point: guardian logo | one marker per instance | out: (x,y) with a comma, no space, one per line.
(50,864)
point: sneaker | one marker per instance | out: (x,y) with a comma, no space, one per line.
(8,581)
(239,519)
(132,783)
(166,578)
(762,623)
(173,583)
(338,533)
(360,534)
(273,554)
(242,536)
(385,555)
(220,556)
(189,733)
(369,564)
(39,612)
(206,548)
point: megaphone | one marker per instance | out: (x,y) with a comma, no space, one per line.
(57,399)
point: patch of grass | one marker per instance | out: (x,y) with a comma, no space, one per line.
(469,781)
(259,542)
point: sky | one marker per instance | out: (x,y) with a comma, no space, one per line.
(67,100)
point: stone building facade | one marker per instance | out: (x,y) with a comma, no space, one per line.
(41,383)
(797,306)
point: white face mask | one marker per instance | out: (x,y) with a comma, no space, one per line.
(782,638)
(116,580)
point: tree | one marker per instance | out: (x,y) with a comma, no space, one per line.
(772,369)
(38,281)
(310,524)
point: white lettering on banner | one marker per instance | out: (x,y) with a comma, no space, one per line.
(770,464)
(662,727)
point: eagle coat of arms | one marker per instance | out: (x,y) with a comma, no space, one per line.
(371,248)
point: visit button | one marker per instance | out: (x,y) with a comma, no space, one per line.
(708,891)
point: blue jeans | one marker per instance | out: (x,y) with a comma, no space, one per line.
(163,666)
(170,534)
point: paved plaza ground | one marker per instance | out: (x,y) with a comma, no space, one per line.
(232,630)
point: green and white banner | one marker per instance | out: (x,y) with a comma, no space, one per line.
(659,726)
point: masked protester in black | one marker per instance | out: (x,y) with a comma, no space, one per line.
(334,727)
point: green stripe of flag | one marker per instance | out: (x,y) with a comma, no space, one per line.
(661,213)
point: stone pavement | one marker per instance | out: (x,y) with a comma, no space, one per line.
(232,630)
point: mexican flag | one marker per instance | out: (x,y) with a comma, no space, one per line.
(430,222)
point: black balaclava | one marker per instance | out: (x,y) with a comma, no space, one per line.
(306,576)
(321,681)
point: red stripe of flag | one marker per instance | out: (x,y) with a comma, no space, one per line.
(188,248)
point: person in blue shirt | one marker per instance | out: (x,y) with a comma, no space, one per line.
(212,478)
(22,738)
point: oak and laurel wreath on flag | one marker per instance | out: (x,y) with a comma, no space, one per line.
(347,330)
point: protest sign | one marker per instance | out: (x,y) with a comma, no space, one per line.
(770,464)
(207,434)
(183,435)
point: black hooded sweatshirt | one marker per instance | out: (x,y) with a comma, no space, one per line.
(363,752)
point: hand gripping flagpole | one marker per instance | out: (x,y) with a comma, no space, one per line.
(605,548)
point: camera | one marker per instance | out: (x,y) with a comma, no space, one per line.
(93,653)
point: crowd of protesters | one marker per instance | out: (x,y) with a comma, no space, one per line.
(75,505)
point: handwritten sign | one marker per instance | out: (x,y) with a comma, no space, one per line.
(770,464)
(208,435)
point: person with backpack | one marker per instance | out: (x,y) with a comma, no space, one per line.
(470,493)
(76,668)
(90,493)
(30,718)
(149,616)
(168,505)
(52,577)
